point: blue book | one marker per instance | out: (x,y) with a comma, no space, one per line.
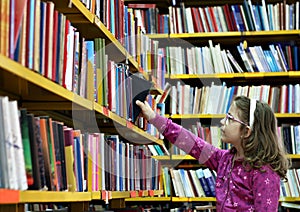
(30,34)
(205,186)
(42,37)
(210,181)
(248,16)
(296,53)
(238,18)
(78,164)
(258,25)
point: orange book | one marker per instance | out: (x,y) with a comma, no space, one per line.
(4,27)
(44,137)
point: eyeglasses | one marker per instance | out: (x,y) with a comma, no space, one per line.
(230,117)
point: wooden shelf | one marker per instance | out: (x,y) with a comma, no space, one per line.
(194,199)
(54,196)
(9,196)
(148,199)
(116,124)
(220,116)
(91,27)
(37,89)
(255,75)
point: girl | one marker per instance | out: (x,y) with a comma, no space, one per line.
(248,175)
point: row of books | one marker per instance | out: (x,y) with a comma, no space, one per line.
(43,154)
(290,188)
(216,99)
(276,57)
(45,41)
(247,16)
(288,134)
(189,183)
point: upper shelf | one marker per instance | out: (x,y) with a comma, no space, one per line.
(38,93)
(91,27)
(226,37)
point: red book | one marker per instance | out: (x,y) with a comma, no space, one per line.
(228,17)
(49,39)
(20,6)
(54,53)
(213,18)
(142,6)
(63,83)
(196,20)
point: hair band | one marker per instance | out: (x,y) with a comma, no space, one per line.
(251,112)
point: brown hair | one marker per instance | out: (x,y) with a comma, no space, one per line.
(263,146)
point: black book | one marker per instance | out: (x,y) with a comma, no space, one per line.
(37,185)
(140,91)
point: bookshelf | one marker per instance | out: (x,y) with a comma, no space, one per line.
(42,96)
(228,39)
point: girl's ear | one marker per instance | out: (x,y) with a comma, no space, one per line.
(248,132)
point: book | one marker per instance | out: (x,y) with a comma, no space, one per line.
(140,91)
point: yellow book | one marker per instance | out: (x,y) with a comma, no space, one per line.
(69,157)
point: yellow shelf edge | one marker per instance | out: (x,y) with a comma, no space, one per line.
(120,194)
(223,34)
(235,75)
(36,78)
(84,10)
(53,196)
(148,199)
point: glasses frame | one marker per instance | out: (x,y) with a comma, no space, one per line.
(231,117)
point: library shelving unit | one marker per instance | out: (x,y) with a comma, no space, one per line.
(42,96)
(230,40)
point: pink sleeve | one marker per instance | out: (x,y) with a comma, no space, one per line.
(187,141)
(266,190)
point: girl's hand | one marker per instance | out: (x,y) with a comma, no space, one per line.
(147,111)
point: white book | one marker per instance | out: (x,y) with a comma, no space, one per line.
(172,175)
(202,17)
(297,16)
(178,183)
(196,182)
(228,67)
(189,19)
(222,19)
(265,16)
(9,145)
(4,177)
(18,146)
(297,100)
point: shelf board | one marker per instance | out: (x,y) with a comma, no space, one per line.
(95,195)
(53,196)
(220,116)
(44,86)
(189,157)
(125,128)
(237,34)
(8,196)
(148,199)
(194,199)
(174,157)
(235,75)
(289,199)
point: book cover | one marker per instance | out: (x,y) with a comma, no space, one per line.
(36,185)
(140,91)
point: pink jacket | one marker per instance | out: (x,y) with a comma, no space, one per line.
(236,188)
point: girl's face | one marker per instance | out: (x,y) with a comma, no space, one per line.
(231,127)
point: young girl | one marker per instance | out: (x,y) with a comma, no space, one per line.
(248,175)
